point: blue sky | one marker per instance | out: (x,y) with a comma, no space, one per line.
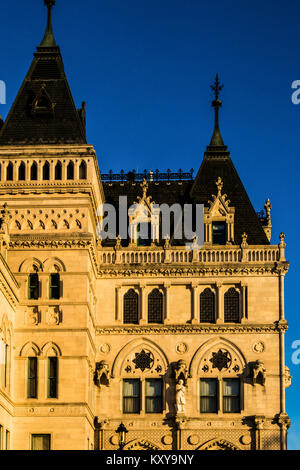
(144,69)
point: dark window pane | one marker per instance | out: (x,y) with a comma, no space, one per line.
(131,396)
(46,171)
(153,396)
(22,172)
(33,171)
(231,396)
(144,234)
(207,306)
(82,171)
(10,172)
(33,286)
(231,306)
(208,395)
(219,233)
(58,171)
(40,442)
(52,377)
(70,171)
(155,307)
(54,286)
(32,378)
(131,310)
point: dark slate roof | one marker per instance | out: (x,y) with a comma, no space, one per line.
(214,165)
(60,122)
(217,164)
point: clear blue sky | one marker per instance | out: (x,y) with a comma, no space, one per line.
(144,69)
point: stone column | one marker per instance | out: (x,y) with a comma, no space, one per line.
(243,302)
(119,303)
(143,305)
(259,422)
(220,303)
(195,303)
(167,302)
(284,423)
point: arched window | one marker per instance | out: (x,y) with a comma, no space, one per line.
(22,171)
(232,306)
(46,171)
(82,171)
(33,171)
(155,307)
(207,306)
(10,172)
(131,307)
(58,171)
(70,171)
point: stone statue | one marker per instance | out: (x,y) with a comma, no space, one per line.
(180,397)
(259,373)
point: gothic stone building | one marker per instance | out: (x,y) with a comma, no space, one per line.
(184,347)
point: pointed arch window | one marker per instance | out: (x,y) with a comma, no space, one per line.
(22,172)
(131,307)
(155,307)
(70,171)
(207,306)
(58,171)
(34,171)
(10,172)
(46,171)
(232,306)
(82,171)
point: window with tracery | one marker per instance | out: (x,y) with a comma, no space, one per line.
(155,307)
(231,306)
(207,306)
(131,307)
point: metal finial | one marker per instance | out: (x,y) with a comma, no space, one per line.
(48,40)
(216,140)
(216,87)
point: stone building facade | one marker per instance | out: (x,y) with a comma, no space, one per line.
(185,347)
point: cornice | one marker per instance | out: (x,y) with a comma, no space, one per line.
(190,329)
(199,270)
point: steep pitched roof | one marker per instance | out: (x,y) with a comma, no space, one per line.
(44,111)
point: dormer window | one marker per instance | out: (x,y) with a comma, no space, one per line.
(219,233)
(144,234)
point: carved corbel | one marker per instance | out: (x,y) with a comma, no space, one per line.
(102,374)
(258,373)
(181,371)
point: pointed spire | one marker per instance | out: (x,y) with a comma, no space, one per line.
(216,140)
(48,40)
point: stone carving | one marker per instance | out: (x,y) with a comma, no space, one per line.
(259,373)
(104,348)
(221,359)
(33,316)
(143,360)
(258,347)
(102,374)
(54,316)
(287,377)
(180,397)
(181,348)
(181,372)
